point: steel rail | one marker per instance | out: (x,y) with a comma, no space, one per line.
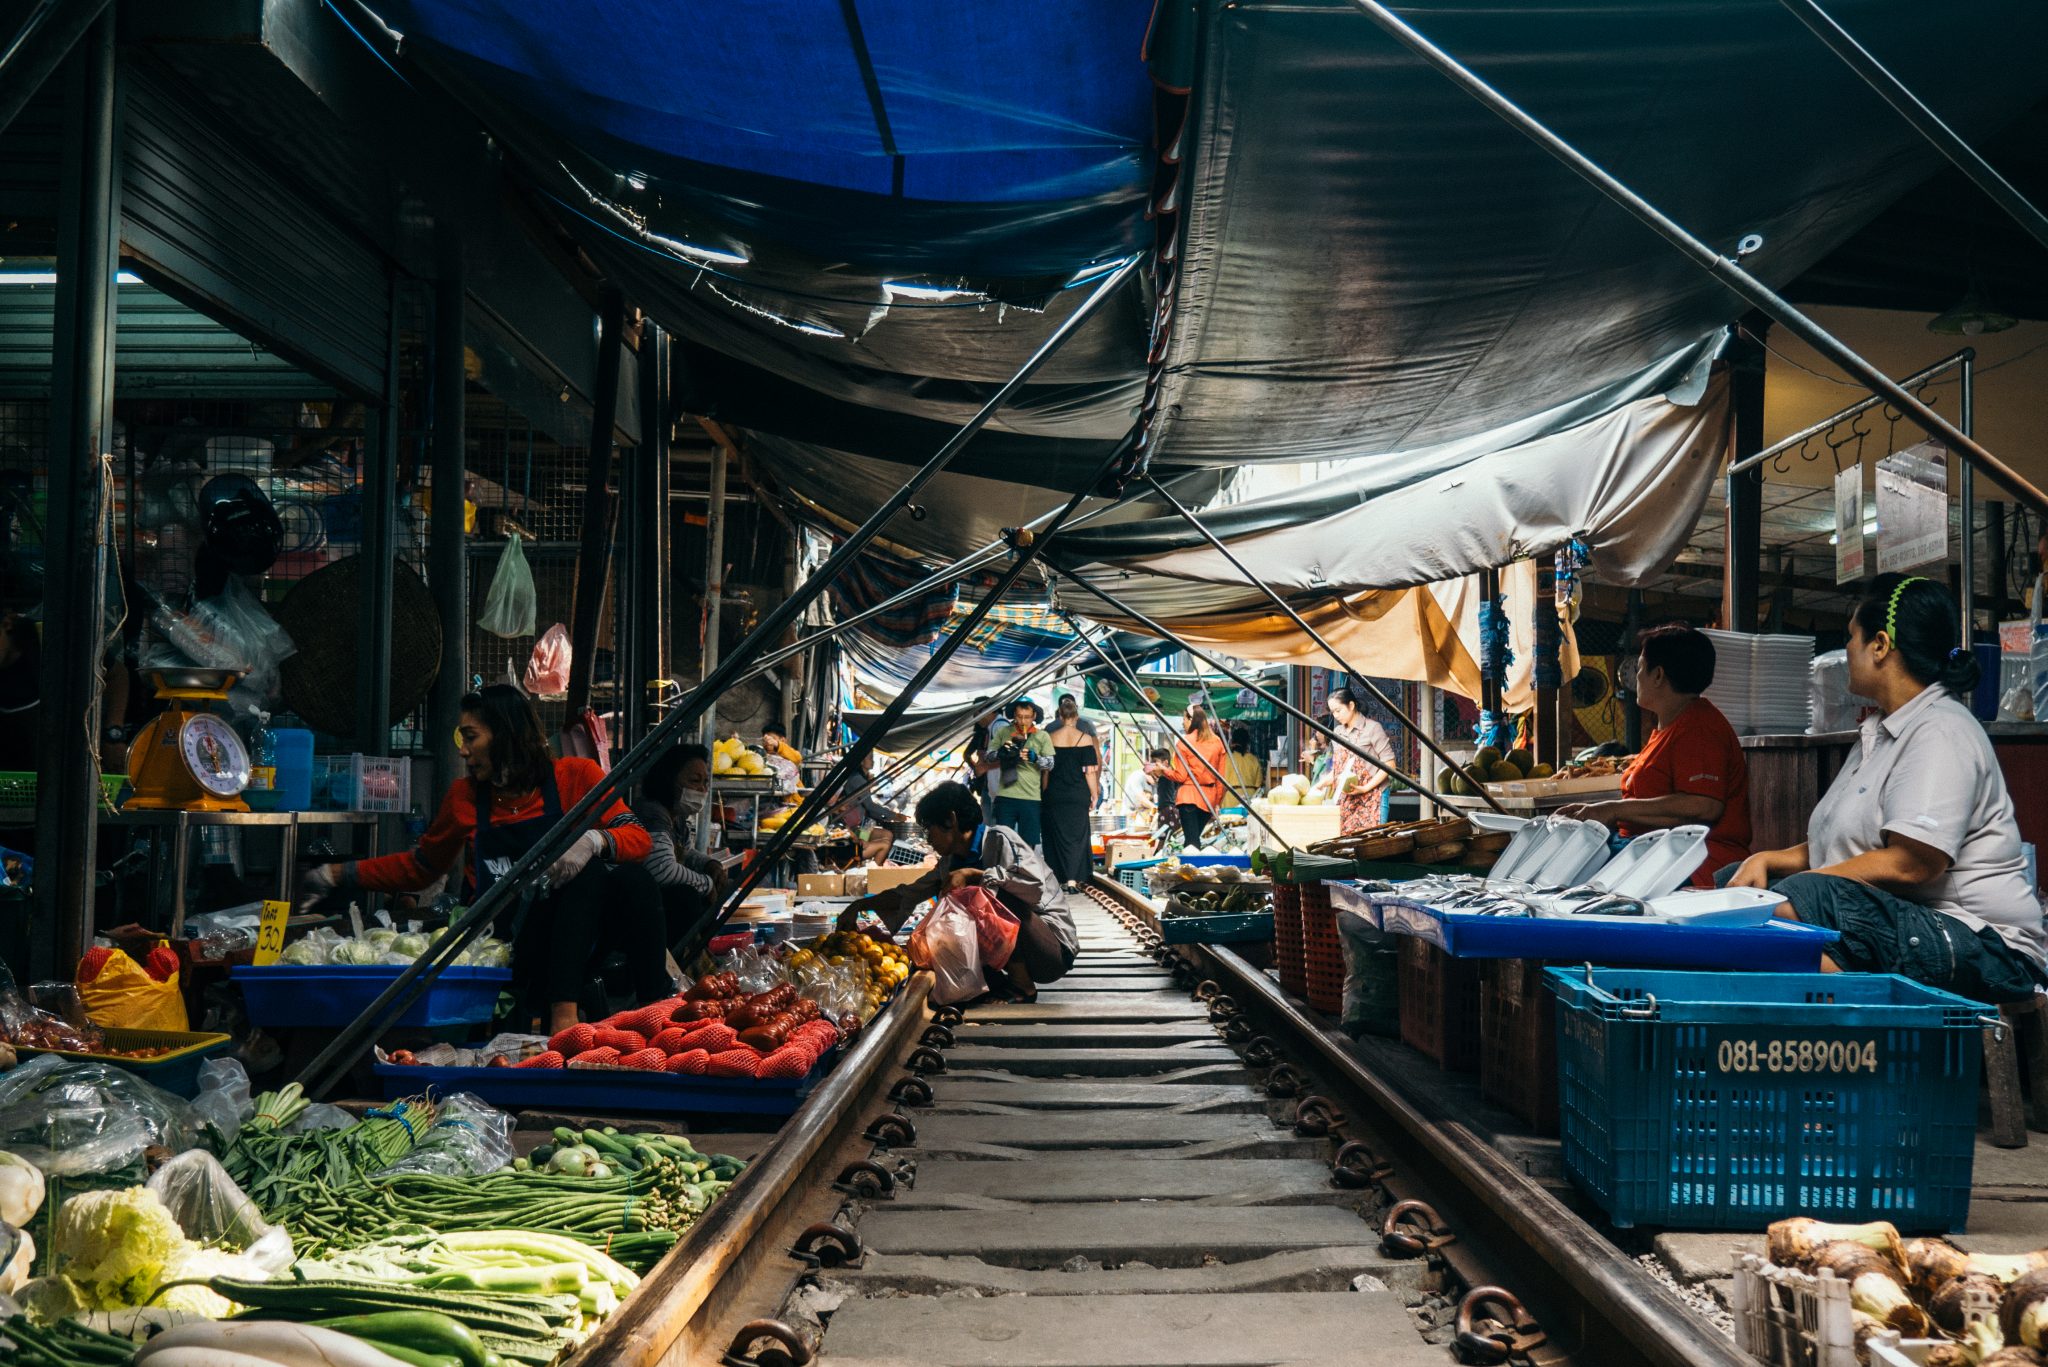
(691,1288)
(1478,786)
(1722,268)
(1925,121)
(1569,1262)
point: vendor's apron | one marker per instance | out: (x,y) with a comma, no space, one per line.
(495,847)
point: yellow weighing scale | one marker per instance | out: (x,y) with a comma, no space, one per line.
(188,758)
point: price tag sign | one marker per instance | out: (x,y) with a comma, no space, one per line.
(270,934)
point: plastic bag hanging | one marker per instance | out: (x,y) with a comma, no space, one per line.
(509,606)
(547,673)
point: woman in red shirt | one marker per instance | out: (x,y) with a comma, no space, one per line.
(516,791)
(1199,762)
(1691,772)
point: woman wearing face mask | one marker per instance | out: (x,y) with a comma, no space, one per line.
(1363,805)
(1071,791)
(1914,852)
(672,800)
(598,898)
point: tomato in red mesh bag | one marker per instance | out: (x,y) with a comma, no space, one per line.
(549,1059)
(670,1041)
(735,1063)
(576,1039)
(691,1063)
(787,1063)
(598,1055)
(644,1058)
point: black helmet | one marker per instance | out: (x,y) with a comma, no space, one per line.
(239,524)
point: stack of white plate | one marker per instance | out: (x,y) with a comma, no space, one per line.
(1761,683)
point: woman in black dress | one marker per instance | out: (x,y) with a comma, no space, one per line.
(1071,792)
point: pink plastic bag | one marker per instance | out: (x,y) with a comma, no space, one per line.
(947,945)
(995,925)
(547,673)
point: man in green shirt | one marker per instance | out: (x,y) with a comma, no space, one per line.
(1019,753)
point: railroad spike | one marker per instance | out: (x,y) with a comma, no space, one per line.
(925,1059)
(1261,1052)
(791,1352)
(1285,1080)
(1315,1116)
(948,1015)
(1235,1029)
(938,1035)
(1413,1228)
(1207,990)
(1515,1335)
(1356,1165)
(911,1091)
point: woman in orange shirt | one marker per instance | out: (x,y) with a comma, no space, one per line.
(1691,772)
(598,895)
(1197,765)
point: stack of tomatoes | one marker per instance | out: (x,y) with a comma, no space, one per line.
(713,1030)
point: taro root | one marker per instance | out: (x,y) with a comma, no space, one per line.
(1876,1286)
(1949,1300)
(2024,1315)
(1798,1242)
(2014,1357)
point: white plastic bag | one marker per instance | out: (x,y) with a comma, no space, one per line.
(214,1211)
(547,673)
(948,944)
(509,606)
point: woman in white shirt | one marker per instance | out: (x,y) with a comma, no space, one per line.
(1914,852)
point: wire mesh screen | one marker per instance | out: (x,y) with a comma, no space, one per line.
(522,479)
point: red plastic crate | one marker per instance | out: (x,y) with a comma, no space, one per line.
(1322,950)
(1439,1005)
(1287,951)
(1518,1041)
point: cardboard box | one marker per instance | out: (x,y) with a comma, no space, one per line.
(893,876)
(820,885)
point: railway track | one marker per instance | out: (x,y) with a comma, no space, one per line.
(1163,1160)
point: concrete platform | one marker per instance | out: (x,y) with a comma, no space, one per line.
(1127,1129)
(1092,1008)
(955,1094)
(1093,1062)
(1053,1179)
(1228,1072)
(1276,1330)
(1076,984)
(1054,1032)
(1320,1269)
(1045,1236)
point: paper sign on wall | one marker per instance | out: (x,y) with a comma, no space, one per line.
(1849,524)
(1912,508)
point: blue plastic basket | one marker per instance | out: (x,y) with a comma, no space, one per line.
(287,995)
(1727,1100)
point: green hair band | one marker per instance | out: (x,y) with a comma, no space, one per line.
(1891,614)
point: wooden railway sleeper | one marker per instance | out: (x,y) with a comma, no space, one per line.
(1412,1229)
(826,1244)
(791,1350)
(1494,1339)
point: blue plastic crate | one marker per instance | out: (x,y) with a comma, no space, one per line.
(1728,1100)
(287,995)
(606,1090)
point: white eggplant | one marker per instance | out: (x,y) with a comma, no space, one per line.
(237,1342)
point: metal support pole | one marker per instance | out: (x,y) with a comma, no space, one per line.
(380,518)
(1744,500)
(626,666)
(710,619)
(1490,700)
(1925,121)
(1029,546)
(593,557)
(327,1066)
(447,552)
(75,548)
(1631,715)
(1131,680)
(1754,291)
(652,626)
(1549,720)
(1334,736)
(1966,494)
(1357,676)
(35,51)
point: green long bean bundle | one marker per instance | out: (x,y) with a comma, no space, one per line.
(280,1170)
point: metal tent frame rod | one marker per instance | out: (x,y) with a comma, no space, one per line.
(1138,688)
(966,564)
(1805,434)
(327,1066)
(1029,546)
(1925,121)
(1335,737)
(1724,269)
(34,51)
(1322,644)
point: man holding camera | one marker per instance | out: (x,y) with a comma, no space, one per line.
(1019,754)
